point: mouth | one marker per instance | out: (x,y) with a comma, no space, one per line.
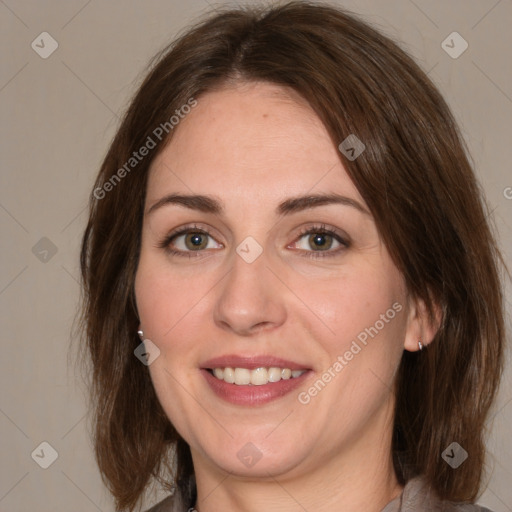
(253,380)
(257,377)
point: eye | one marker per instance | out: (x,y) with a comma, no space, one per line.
(188,240)
(193,241)
(319,239)
(315,242)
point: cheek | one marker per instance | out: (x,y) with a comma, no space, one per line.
(167,300)
(366,314)
(356,302)
(169,308)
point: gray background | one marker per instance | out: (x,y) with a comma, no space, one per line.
(58,116)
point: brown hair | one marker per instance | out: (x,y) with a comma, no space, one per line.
(414,176)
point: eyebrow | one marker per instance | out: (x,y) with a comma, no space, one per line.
(209,204)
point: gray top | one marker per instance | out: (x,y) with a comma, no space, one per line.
(416,497)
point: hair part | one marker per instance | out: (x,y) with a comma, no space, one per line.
(417,181)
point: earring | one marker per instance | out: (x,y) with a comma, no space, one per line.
(420,345)
(141,335)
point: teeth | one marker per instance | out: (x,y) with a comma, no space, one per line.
(242,376)
(286,373)
(229,375)
(256,377)
(274,374)
(259,376)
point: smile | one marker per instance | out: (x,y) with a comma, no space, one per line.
(255,377)
(252,380)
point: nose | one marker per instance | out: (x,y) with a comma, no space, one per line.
(250,298)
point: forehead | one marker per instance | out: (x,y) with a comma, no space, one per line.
(258,141)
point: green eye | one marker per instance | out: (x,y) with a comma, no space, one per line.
(321,241)
(196,241)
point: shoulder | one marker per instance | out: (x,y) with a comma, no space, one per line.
(183,495)
(462,507)
(470,508)
(170,504)
(417,496)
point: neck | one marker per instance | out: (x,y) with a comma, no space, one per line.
(372,493)
(363,478)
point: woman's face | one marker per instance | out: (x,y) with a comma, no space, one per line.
(259,252)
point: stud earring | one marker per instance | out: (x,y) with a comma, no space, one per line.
(420,345)
(141,335)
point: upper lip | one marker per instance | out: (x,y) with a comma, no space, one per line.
(251,362)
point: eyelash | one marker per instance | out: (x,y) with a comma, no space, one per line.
(317,230)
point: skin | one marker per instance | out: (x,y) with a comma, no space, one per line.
(251,146)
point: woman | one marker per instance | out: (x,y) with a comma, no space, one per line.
(292,294)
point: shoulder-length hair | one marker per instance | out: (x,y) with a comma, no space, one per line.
(416,179)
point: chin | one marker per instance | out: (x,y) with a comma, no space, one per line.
(257,461)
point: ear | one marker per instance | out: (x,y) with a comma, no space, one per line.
(420,325)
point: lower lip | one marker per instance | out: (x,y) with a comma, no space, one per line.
(252,395)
